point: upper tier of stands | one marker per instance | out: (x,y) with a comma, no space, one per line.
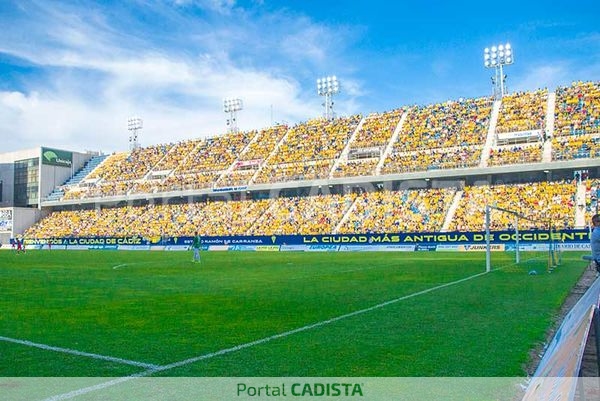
(577,121)
(451,134)
(369,144)
(308,150)
(523,111)
(445,135)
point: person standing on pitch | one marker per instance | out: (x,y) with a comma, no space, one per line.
(196,244)
(595,241)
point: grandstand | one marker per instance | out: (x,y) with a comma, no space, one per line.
(417,168)
(414,178)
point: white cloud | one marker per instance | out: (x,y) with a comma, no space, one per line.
(97,80)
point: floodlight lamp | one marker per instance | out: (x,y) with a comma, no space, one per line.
(494,48)
(487,50)
(507,46)
(501,47)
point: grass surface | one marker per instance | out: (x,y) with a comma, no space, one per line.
(160,308)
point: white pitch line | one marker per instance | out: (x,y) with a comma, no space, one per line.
(357,269)
(310,326)
(78,353)
(225,351)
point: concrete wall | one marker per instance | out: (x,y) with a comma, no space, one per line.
(23,218)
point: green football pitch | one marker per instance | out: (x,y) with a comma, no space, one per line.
(117,313)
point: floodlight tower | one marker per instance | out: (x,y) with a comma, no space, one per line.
(232,106)
(497,57)
(134,125)
(328,87)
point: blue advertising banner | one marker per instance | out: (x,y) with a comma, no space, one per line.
(461,241)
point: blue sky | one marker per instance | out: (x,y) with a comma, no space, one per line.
(73,72)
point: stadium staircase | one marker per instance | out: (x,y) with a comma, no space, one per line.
(229,169)
(391,143)
(346,216)
(547,150)
(87,168)
(580,202)
(152,171)
(344,155)
(491,136)
(275,149)
(452,210)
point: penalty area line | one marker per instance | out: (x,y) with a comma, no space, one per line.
(79,353)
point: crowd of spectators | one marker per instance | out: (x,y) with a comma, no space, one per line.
(303,215)
(264,143)
(538,201)
(318,169)
(523,111)
(445,125)
(415,210)
(178,154)
(130,166)
(421,210)
(377,129)
(442,135)
(575,147)
(215,154)
(516,154)
(150,221)
(423,160)
(250,161)
(356,167)
(369,144)
(439,136)
(309,150)
(577,109)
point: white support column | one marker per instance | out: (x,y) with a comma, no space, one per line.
(391,143)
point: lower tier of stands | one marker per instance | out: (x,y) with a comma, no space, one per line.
(412,210)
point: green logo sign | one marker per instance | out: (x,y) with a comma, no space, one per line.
(55,157)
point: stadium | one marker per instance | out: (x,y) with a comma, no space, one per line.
(388,245)
(332,190)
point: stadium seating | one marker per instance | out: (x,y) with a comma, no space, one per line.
(577,121)
(523,111)
(303,215)
(399,211)
(369,144)
(309,150)
(515,154)
(414,210)
(437,136)
(250,161)
(443,135)
(537,201)
(577,109)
